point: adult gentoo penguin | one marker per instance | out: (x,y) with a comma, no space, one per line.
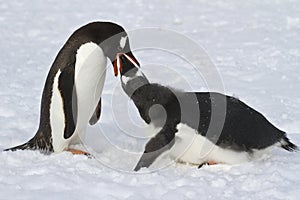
(71,95)
(196,139)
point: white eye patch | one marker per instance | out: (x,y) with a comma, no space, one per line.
(123,41)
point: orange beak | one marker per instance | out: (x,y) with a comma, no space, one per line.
(118,63)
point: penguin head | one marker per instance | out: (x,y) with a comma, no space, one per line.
(117,46)
(111,37)
(120,47)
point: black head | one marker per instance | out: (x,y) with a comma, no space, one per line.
(111,37)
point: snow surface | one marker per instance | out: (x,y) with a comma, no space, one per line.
(255,46)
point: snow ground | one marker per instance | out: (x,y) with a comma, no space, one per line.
(255,46)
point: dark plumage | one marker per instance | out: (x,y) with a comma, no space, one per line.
(224,120)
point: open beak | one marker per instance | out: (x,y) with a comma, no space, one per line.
(117,63)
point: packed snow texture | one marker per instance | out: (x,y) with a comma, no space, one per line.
(254,45)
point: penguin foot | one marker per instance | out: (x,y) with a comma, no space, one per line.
(212,163)
(79,152)
(207,163)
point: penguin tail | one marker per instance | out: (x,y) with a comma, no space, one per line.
(40,141)
(288,145)
(26,146)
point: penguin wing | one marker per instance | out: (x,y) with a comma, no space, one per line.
(162,142)
(96,116)
(69,97)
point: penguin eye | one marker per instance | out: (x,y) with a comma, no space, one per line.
(120,48)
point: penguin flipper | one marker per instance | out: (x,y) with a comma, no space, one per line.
(68,93)
(163,141)
(96,116)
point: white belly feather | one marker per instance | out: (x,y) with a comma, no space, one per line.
(191,147)
(90,71)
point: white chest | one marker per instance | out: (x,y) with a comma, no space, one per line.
(90,71)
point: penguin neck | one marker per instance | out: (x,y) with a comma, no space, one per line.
(133,80)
